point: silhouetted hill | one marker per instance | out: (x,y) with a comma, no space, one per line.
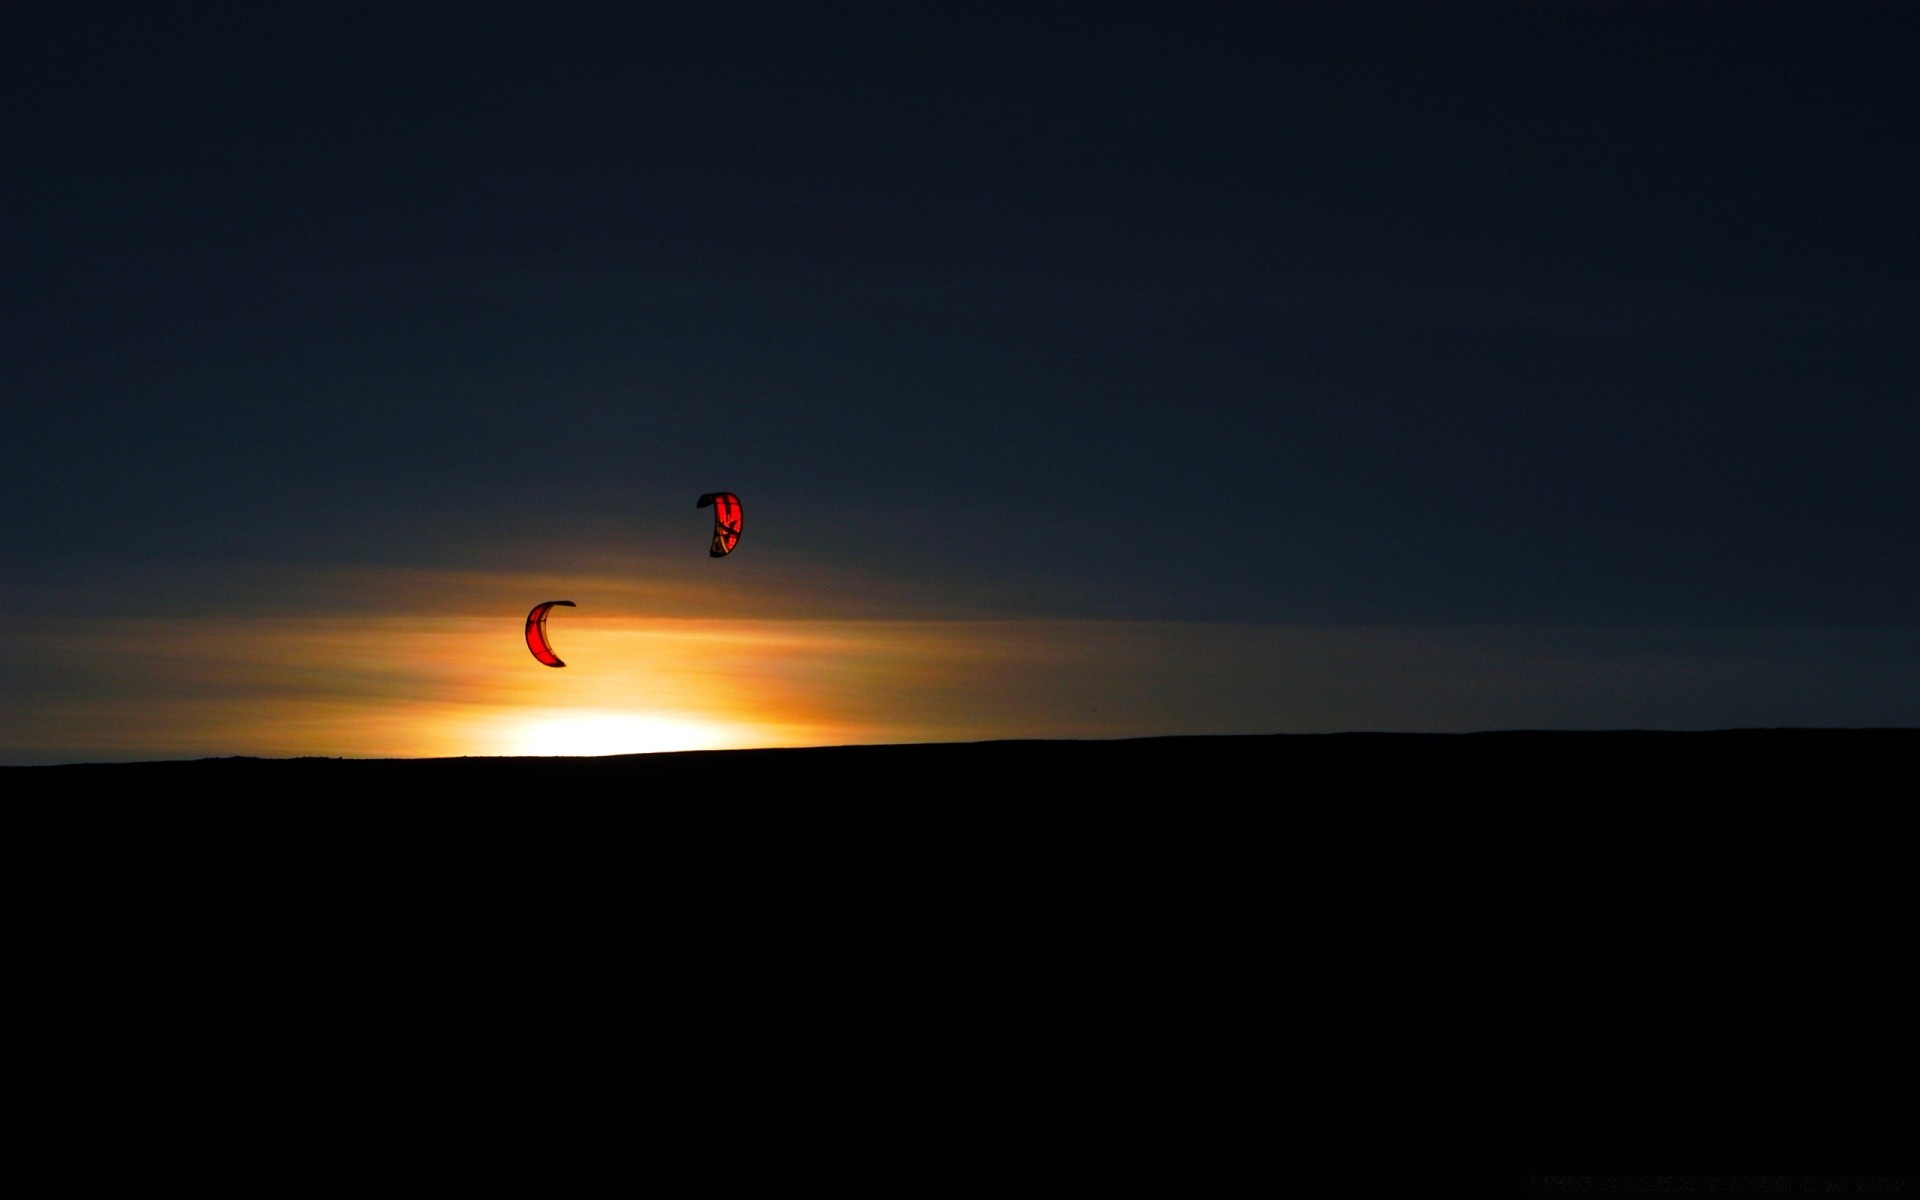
(1515,764)
(1161,923)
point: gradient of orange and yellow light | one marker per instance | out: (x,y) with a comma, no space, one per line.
(443,670)
(412,663)
(420,686)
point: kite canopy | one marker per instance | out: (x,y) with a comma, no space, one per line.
(537,632)
(726,522)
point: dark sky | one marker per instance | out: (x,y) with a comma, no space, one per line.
(1548,313)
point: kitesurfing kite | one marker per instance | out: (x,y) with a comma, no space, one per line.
(537,632)
(726,522)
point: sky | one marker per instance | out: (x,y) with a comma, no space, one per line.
(1084,369)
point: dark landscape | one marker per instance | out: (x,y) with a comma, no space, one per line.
(1106,938)
(1181,771)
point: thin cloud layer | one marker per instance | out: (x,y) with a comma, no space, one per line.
(430,676)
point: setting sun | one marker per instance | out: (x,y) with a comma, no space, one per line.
(590,732)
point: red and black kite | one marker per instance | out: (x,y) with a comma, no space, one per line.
(537,632)
(726,522)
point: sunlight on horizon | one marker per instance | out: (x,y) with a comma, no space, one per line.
(433,685)
(592,733)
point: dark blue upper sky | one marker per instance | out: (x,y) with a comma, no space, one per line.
(1560,313)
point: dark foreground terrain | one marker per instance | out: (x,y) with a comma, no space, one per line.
(1143,953)
(702,833)
(1520,765)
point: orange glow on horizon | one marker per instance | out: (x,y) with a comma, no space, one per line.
(385,685)
(444,671)
(592,732)
(429,687)
(413,686)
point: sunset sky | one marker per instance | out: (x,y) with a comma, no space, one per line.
(1085,370)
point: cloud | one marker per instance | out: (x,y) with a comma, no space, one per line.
(442,670)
